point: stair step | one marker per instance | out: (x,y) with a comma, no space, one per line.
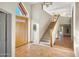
(45,43)
(45,40)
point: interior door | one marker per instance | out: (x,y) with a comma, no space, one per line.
(2,34)
(21,31)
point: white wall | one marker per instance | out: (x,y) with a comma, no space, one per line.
(76,40)
(77,16)
(28,8)
(41,17)
(64,20)
(10,8)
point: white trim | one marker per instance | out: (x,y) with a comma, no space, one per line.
(74,30)
(29,30)
(4,11)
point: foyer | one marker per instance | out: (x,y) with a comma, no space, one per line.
(43,30)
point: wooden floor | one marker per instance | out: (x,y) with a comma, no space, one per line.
(33,50)
(66,42)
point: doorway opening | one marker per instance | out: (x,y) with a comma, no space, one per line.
(64,37)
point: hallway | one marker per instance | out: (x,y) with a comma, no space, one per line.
(47,37)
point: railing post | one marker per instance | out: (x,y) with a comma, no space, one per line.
(50,38)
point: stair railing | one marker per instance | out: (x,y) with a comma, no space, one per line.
(53,32)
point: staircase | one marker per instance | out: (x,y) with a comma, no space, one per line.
(51,30)
(45,40)
(46,36)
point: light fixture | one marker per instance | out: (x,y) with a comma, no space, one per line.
(47,4)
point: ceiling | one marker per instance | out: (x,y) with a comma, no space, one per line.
(62,8)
